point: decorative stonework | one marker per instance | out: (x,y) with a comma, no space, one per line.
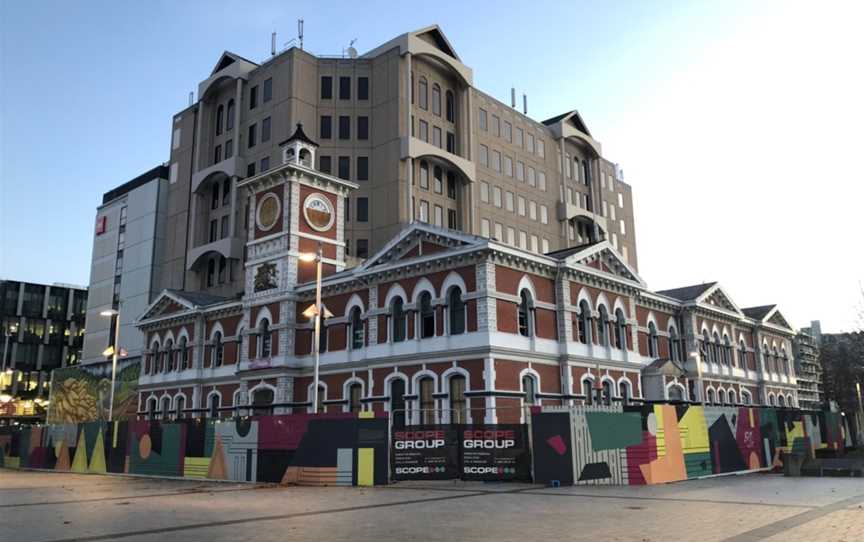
(318,212)
(487,310)
(268,212)
(265,277)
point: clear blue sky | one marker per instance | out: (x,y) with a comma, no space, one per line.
(736,123)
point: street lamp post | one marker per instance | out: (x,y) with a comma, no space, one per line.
(317,312)
(114,352)
(698,359)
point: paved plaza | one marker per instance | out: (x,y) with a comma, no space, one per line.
(46,506)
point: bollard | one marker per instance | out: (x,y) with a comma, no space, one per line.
(556,483)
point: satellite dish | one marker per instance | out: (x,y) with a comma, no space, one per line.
(352,52)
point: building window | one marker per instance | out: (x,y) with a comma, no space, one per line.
(229,115)
(214,405)
(268,90)
(653,341)
(423,92)
(452,219)
(450,106)
(742,358)
(220,112)
(436,99)
(529,388)
(322,337)
(496,161)
(397,320)
(363,128)
(607,392)
(674,345)
(362,248)
(584,327)
(362,209)
(326,87)
(427,401)
(456,311)
(253,97)
(214,230)
(362,168)
(588,390)
(344,127)
(357,337)
(458,404)
(484,191)
(252,133)
(438,174)
(344,88)
(265,163)
(427,316)
(184,354)
(345,167)
(439,216)
(217,154)
(424,131)
(424,211)
(603,326)
(362,88)
(224,227)
(496,126)
(496,196)
(229,149)
(265,130)
(624,392)
(354,392)
(326,130)
(436,136)
(424,175)
(325,164)
(526,309)
(482,120)
(620,330)
(675,394)
(451,142)
(218,350)
(264,339)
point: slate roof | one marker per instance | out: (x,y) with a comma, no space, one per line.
(758,313)
(299,134)
(687,293)
(199,299)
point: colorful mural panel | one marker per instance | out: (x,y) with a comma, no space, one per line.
(83,393)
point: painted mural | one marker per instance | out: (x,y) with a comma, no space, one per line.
(302,449)
(652,444)
(82,393)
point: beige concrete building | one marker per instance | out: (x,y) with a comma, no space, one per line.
(403,121)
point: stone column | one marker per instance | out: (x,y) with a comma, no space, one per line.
(487,309)
(373,319)
(242,399)
(284,393)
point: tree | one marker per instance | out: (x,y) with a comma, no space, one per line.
(842,358)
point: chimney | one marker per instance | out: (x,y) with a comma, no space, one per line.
(524,104)
(273,44)
(513,97)
(191,97)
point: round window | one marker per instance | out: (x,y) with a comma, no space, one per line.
(318,212)
(268,212)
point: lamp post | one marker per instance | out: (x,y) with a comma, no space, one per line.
(697,358)
(113,352)
(316,311)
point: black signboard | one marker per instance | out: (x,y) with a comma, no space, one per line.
(494,452)
(553,456)
(426,452)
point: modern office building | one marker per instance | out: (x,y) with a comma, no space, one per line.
(407,125)
(808,367)
(42,328)
(129,236)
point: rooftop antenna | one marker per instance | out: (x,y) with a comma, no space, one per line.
(524,104)
(513,97)
(352,52)
(191,97)
(300,32)
(273,44)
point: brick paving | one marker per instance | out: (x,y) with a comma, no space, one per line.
(42,506)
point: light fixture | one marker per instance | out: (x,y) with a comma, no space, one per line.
(108,313)
(108,351)
(308,256)
(5,398)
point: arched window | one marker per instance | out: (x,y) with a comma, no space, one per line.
(607,392)
(675,393)
(427,402)
(742,357)
(745,397)
(397,402)
(169,356)
(427,316)
(214,404)
(436,99)
(239,353)
(705,347)
(588,390)
(220,111)
(526,310)
(179,408)
(784,361)
(733,397)
(322,337)
(166,408)
(624,392)
(674,345)
(355,391)
(424,180)
(727,351)
(211,271)
(157,358)
(264,339)
(451,106)
(423,92)
(790,401)
(262,399)
(603,326)
(397,320)
(721,396)
(456,311)
(151,408)
(357,336)
(653,341)
(218,349)
(781,401)
(529,387)
(184,353)
(584,322)
(458,403)
(322,396)
(715,349)
(229,115)
(620,330)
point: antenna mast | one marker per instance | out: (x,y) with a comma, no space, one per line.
(300,32)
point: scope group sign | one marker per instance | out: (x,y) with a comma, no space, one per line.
(470,452)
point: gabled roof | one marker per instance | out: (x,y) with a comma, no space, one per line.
(769,314)
(402,244)
(227,59)
(180,301)
(300,135)
(434,35)
(570,116)
(601,256)
(758,313)
(687,293)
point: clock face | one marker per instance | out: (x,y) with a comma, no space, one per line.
(318,212)
(268,212)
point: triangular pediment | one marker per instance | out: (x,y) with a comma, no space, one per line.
(224,61)
(572,118)
(166,303)
(665,367)
(435,37)
(778,319)
(418,241)
(717,297)
(604,258)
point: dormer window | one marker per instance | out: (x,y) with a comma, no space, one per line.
(299,149)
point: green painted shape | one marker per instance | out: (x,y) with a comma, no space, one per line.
(166,463)
(91,431)
(24,447)
(698,464)
(614,430)
(97,458)
(209,437)
(801,445)
(79,463)
(769,426)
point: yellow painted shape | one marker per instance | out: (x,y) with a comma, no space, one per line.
(195,467)
(97,462)
(796,432)
(12,462)
(365,466)
(752,420)
(114,436)
(694,431)
(79,463)
(367,414)
(670,467)
(661,433)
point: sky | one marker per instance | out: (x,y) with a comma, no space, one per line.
(736,123)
